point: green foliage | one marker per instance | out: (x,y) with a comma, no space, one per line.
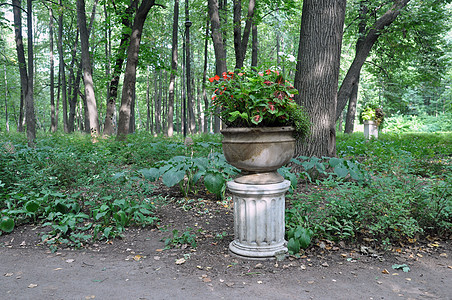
(247,98)
(188,171)
(339,168)
(298,238)
(409,196)
(6,224)
(185,238)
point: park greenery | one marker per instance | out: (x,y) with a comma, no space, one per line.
(397,189)
(78,189)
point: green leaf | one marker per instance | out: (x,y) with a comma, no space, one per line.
(214,183)
(334,161)
(6,224)
(293,245)
(341,170)
(32,206)
(172,177)
(151,174)
(305,239)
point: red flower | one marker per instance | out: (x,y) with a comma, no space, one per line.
(268,72)
(256,118)
(268,82)
(215,78)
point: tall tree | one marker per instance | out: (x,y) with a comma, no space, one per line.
(53,115)
(351,110)
(30,117)
(26,77)
(20,57)
(217,38)
(317,72)
(241,43)
(126,21)
(87,71)
(131,68)
(173,70)
(368,41)
(190,106)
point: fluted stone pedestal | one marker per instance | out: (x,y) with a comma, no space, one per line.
(258,219)
(370,129)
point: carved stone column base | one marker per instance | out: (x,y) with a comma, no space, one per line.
(259,220)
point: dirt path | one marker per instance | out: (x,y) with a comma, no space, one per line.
(135,268)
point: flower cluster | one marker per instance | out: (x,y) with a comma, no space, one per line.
(372,112)
(247,98)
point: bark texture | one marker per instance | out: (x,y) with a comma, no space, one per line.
(217,38)
(241,43)
(173,70)
(131,68)
(126,20)
(318,71)
(20,58)
(87,71)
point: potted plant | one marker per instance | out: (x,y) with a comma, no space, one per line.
(262,121)
(372,116)
(258,107)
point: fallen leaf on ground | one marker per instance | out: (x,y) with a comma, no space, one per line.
(180,261)
(57,269)
(70,260)
(32,285)
(443,255)
(9,274)
(137,257)
(385,271)
(207,279)
(403,267)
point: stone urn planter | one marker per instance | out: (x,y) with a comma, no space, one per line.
(370,129)
(259,194)
(259,152)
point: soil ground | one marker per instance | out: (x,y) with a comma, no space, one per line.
(137,267)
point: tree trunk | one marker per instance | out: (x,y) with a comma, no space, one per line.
(30,117)
(351,110)
(254,46)
(173,70)
(158,104)
(360,57)
(87,71)
(131,68)
(217,38)
(73,86)
(204,81)
(20,58)
(6,97)
(190,104)
(148,100)
(241,44)
(110,116)
(318,71)
(53,119)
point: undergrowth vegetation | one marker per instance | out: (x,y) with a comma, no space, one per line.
(394,189)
